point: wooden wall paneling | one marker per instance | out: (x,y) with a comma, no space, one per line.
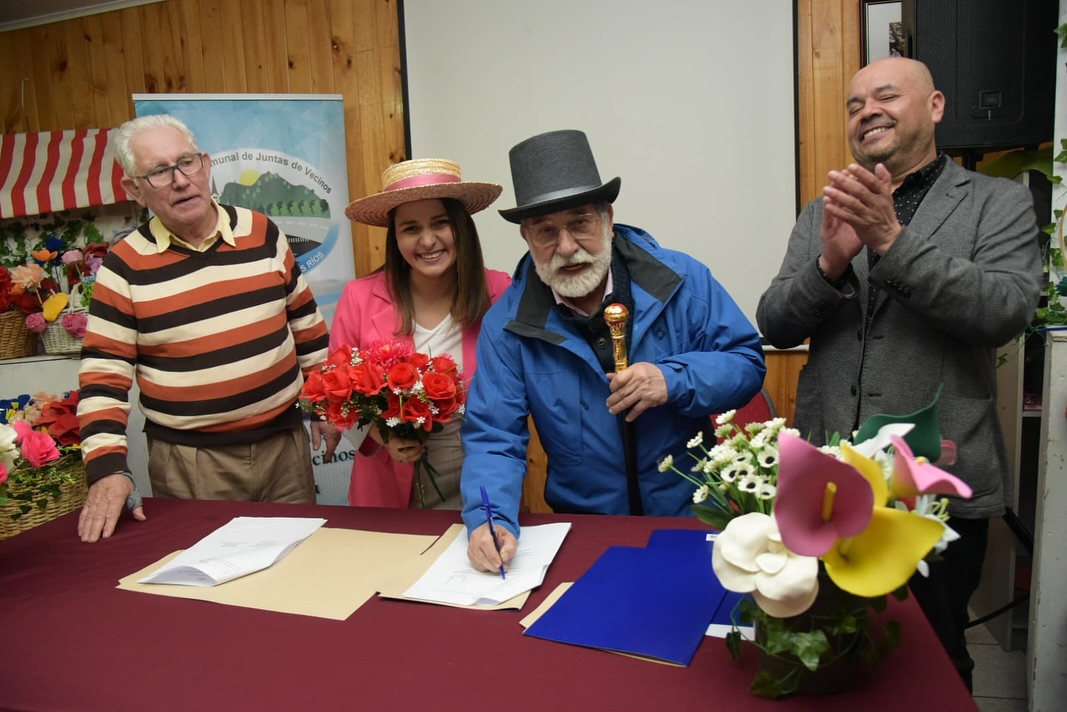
(42,77)
(10,102)
(132,44)
(806,145)
(232,26)
(533,487)
(114,57)
(256,49)
(76,46)
(365,27)
(277,51)
(155,73)
(320,47)
(213,54)
(93,25)
(297,46)
(189,38)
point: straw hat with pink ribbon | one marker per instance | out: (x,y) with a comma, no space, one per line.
(421,179)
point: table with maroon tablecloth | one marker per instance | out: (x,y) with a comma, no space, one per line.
(70,640)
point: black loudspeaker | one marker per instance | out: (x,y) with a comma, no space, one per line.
(995,62)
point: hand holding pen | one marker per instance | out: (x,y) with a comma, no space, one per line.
(492,530)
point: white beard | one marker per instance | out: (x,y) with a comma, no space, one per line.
(579,285)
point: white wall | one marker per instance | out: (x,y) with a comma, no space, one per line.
(690,102)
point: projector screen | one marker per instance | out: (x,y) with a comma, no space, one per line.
(691,102)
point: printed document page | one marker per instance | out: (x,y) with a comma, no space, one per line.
(451,579)
(241,547)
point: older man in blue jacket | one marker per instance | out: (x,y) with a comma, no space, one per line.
(546,351)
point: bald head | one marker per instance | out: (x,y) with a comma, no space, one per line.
(893,110)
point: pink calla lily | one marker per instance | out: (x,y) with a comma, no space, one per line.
(912,476)
(820,498)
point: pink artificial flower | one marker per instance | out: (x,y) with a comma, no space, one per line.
(37,448)
(75,324)
(36,322)
(820,499)
(94,264)
(71,257)
(29,277)
(913,476)
(3,473)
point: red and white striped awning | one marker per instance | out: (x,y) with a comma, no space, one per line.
(57,170)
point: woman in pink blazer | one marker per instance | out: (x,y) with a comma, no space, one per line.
(432,292)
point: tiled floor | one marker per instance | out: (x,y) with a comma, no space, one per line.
(999,677)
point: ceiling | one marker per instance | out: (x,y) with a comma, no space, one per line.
(15,14)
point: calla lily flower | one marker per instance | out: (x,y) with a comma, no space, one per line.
(749,557)
(924,438)
(820,498)
(912,476)
(881,439)
(884,556)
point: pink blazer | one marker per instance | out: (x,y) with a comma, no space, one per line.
(365,314)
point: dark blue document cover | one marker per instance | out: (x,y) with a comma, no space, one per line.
(655,602)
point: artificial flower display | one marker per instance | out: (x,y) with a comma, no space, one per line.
(856,519)
(393,387)
(40,450)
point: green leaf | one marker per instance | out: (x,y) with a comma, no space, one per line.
(809,647)
(764,685)
(715,518)
(733,644)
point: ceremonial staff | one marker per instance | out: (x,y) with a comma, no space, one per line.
(615,316)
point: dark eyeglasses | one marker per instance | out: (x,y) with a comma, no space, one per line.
(164,175)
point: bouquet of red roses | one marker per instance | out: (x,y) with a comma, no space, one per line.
(392,386)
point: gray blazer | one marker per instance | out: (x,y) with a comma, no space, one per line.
(961,280)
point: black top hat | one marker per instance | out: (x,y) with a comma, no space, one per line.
(555,171)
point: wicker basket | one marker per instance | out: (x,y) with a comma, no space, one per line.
(71,497)
(55,338)
(16,341)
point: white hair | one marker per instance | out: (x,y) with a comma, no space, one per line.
(123,136)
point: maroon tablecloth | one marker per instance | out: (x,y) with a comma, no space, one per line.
(70,640)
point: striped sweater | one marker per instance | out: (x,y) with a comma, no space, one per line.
(219,341)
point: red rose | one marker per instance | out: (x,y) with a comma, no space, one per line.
(403,376)
(367,378)
(392,409)
(337,385)
(415,410)
(60,417)
(438,386)
(338,413)
(314,391)
(444,364)
(445,409)
(419,360)
(340,357)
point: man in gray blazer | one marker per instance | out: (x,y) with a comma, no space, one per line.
(906,276)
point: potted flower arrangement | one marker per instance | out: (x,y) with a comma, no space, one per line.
(393,387)
(819,537)
(41,471)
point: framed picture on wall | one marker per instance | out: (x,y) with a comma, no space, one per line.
(882,35)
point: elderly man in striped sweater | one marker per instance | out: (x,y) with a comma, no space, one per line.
(205,306)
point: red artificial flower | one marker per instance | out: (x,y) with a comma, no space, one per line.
(37,448)
(414,410)
(438,386)
(444,364)
(402,376)
(338,413)
(337,385)
(388,353)
(367,378)
(340,358)
(419,360)
(60,419)
(314,389)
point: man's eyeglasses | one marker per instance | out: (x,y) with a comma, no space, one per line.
(545,235)
(164,175)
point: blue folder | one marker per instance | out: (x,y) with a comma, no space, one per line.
(655,602)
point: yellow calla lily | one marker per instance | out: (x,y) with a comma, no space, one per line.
(883,557)
(53,306)
(869,469)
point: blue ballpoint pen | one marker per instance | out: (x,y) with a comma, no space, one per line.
(492,531)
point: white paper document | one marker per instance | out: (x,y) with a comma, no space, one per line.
(452,579)
(241,547)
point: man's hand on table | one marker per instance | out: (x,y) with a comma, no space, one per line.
(482,553)
(103,507)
